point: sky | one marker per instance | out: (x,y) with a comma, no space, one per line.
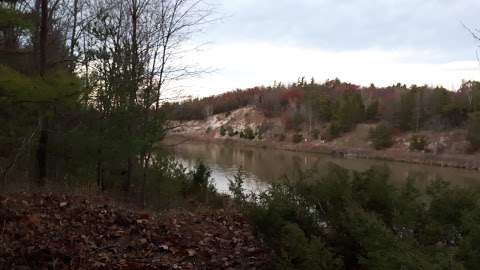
(257,42)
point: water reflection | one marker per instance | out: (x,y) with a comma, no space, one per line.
(262,166)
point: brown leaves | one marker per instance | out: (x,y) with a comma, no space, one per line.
(40,231)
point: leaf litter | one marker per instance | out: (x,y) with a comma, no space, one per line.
(51,231)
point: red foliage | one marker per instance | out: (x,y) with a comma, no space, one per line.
(293,95)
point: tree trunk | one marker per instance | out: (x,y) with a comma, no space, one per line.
(42,150)
(73,39)
(42,156)
(43,37)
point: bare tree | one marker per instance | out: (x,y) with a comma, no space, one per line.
(137,46)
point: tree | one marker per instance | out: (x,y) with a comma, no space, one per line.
(473,135)
(405,111)
(85,78)
(351,110)
(34,56)
(381,136)
(371,113)
(135,48)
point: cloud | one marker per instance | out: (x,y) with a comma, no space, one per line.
(351,24)
(242,65)
(360,41)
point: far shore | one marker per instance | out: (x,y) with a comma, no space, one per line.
(467,162)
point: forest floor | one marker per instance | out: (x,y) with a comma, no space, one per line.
(446,148)
(52,231)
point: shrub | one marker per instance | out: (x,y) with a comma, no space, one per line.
(263,128)
(200,185)
(334,130)
(223,131)
(281,137)
(297,138)
(209,130)
(345,219)
(235,186)
(473,135)
(381,136)
(247,133)
(315,134)
(299,252)
(418,143)
(231,132)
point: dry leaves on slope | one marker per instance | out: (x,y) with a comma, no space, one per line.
(46,231)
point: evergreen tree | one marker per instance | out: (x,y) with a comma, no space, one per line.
(350,111)
(473,135)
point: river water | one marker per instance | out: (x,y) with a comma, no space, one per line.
(263,166)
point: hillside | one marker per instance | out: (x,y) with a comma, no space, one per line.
(448,147)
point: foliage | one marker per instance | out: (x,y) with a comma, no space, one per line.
(231,132)
(333,131)
(474,130)
(381,136)
(371,112)
(342,105)
(351,110)
(199,184)
(418,142)
(223,131)
(76,111)
(263,128)
(299,252)
(247,133)
(235,186)
(359,220)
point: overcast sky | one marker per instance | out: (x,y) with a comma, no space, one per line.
(360,41)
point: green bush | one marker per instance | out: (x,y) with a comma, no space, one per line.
(297,138)
(473,135)
(199,184)
(247,133)
(223,131)
(418,143)
(381,137)
(299,252)
(235,186)
(345,219)
(334,130)
(371,112)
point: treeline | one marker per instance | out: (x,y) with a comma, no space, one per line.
(201,108)
(81,83)
(308,105)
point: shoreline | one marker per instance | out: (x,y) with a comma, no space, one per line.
(466,162)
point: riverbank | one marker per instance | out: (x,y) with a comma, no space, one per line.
(468,162)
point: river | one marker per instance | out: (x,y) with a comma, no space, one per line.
(262,166)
